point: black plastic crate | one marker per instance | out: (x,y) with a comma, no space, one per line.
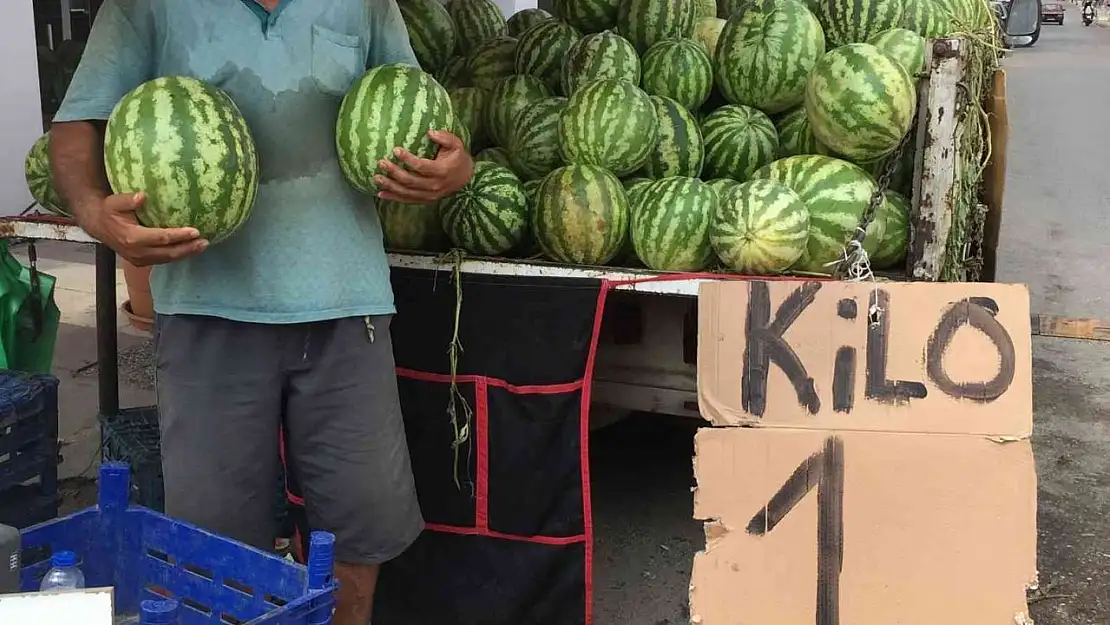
(132,436)
(27,505)
(28,430)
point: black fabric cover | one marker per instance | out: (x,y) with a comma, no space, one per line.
(511,546)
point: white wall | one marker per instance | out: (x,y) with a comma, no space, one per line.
(20,108)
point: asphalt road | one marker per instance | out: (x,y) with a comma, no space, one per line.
(1055,239)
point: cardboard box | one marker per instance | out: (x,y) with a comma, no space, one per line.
(882,472)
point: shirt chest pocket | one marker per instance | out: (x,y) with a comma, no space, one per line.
(337,60)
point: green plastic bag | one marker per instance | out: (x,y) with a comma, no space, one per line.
(29,317)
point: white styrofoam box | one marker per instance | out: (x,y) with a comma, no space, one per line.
(20,104)
(509,7)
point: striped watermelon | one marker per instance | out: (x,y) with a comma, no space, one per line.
(670,224)
(508,99)
(609,123)
(727,8)
(856,21)
(535,139)
(860,102)
(495,155)
(707,31)
(973,16)
(522,20)
(470,104)
(647,22)
(476,22)
(588,16)
(186,146)
(894,212)
(490,214)
(492,61)
(542,50)
(765,53)
(836,193)
(581,215)
(901,176)
(412,103)
(705,8)
(431,32)
(633,187)
(721,185)
(738,140)
(598,57)
(760,227)
(40,180)
(679,69)
(530,188)
(926,18)
(904,46)
(454,73)
(459,129)
(412,227)
(795,135)
(679,149)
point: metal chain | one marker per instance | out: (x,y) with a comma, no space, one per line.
(854,246)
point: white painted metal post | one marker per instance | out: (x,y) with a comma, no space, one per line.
(67,22)
(935,161)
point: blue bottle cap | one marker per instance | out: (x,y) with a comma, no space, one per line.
(158,611)
(63,559)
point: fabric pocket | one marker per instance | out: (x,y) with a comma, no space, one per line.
(337,60)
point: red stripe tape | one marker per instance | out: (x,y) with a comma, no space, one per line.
(481,489)
(584,449)
(555,541)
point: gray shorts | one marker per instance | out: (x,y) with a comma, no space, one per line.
(224,390)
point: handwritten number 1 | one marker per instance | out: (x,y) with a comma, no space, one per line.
(824,471)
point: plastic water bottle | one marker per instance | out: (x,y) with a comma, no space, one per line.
(158,612)
(63,573)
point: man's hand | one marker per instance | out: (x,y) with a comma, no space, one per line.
(113,223)
(426,181)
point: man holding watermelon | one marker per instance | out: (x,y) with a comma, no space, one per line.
(288,319)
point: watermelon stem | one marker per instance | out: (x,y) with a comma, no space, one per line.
(456,399)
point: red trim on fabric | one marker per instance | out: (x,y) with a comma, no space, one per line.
(481,488)
(584,448)
(294,499)
(297,546)
(554,541)
(515,389)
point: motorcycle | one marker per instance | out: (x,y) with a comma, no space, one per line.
(1088,16)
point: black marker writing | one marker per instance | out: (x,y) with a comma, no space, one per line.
(765,344)
(824,471)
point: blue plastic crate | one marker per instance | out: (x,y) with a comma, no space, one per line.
(146,555)
(28,430)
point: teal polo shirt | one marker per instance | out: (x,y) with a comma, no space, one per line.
(312,248)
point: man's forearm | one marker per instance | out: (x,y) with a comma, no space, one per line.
(77,165)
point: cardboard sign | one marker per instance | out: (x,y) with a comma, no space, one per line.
(886,475)
(920,357)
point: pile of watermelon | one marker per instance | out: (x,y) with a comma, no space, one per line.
(680,135)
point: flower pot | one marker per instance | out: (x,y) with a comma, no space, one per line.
(139,306)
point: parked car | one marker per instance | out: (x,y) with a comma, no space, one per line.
(1052,12)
